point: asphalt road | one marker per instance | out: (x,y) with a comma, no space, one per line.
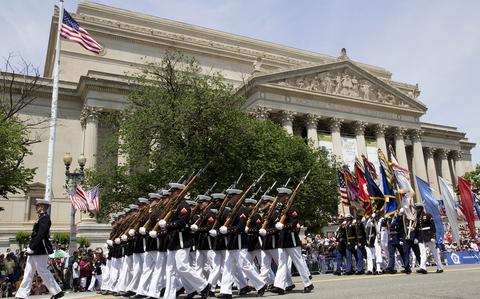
(456,282)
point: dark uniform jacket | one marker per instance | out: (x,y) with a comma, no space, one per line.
(254,240)
(410,229)
(288,237)
(360,233)
(221,240)
(40,243)
(178,228)
(270,241)
(395,229)
(141,240)
(351,236)
(341,236)
(425,227)
(236,236)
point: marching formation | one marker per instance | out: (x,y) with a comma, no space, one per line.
(165,245)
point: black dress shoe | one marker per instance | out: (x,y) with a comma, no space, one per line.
(162,292)
(225,296)
(422,271)
(359,273)
(308,289)
(391,271)
(128,294)
(58,295)
(118,294)
(338,273)
(349,273)
(191,295)
(180,291)
(138,296)
(244,291)
(290,288)
(406,271)
(205,292)
(278,291)
(261,292)
(211,294)
(369,273)
(439,271)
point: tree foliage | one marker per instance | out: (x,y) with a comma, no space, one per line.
(22,239)
(177,120)
(83,242)
(474,177)
(61,238)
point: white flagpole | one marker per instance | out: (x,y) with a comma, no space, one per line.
(53,116)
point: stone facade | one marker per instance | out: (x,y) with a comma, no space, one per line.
(332,101)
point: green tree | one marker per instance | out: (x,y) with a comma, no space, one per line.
(61,238)
(474,177)
(22,239)
(83,242)
(18,85)
(176,120)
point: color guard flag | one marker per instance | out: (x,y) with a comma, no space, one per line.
(376,195)
(71,30)
(466,196)
(388,193)
(363,194)
(342,186)
(431,207)
(450,200)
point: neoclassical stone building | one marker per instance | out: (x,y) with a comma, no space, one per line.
(349,107)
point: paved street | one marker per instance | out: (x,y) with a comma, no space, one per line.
(457,282)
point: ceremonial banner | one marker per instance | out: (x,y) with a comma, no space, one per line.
(363,189)
(349,151)
(388,193)
(376,195)
(405,189)
(475,205)
(372,154)
(450,200)
(466,196)
(431,207)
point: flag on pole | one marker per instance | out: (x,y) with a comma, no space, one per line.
(388,193)
(466,196)
(475,205)
(393,157)
(431,207)
(71,30)
(93,197)
(376,195)
(404,189)
(363,194)
(78,199)
(352,188)
(450,200)
(342,186)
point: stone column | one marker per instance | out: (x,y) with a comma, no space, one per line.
(261,113)
(418,158)
(286,118)
(457,160)
(359,127)
(311,122)
(90,131)
(400,147)
(380,134)
(431,170)
(445,168)
(335,125)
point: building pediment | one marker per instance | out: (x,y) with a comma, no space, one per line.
(342,79)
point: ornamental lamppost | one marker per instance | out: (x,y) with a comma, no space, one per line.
(72,179)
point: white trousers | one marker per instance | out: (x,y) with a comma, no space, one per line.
(233,260)
(136,273)
(125,274)
(218,260)
(106,273)
(423,255)
(203,262)
(114,273)
(295,253)
(157,281)
(178,266)
(149,259)
(37,263)
(264,258)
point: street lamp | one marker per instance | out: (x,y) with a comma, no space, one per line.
(72,179)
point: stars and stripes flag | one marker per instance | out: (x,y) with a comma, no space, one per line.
(71,30)
(93,197)
(78,199)
(342,185)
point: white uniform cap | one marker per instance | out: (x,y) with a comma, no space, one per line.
(133,207)
(154,195)
(201,198)
(233,191)
(219,196)
(268,198)
(284,190)
(176,186)
(142,200)
(41,201)
(250,201)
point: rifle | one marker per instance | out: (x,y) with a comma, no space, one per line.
(203,214)
(168,211)
(216,225)
(257,206)
(239,203)
(283,217)
(197,206)
(273,206)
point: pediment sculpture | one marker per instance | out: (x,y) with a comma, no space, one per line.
(344,82)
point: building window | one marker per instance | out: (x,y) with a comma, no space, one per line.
(35,191)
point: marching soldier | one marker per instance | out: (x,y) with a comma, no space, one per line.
(117,253)
(38,250)
(426,237)
(360,235)
(395,241)
(202,263)
(370,234)
(106,272)
(351,244)
(341,250)
(411,241)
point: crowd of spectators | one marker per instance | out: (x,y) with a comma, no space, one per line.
(79,272)
(467,243)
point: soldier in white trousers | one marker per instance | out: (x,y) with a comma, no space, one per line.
(425,229)
(38,250)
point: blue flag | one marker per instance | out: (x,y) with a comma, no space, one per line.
(475,205)
(431,207)
(388,193)
(374,191)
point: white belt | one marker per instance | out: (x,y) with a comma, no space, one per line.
(239,241)
(273,241)
(158,244)
(180,237)
(425,228)
(260,241)
(209,243)
(293,238)
(144,241)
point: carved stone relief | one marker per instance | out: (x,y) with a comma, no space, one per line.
(346,83)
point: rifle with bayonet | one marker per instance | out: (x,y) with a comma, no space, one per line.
(257,206)
(216,225)
(283,216)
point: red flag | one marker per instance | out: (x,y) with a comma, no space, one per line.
(466,196)
(363,189)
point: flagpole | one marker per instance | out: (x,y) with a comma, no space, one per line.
(53,113)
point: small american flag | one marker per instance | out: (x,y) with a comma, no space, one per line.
(342,186)
(71,30)
(94,200)
(78,199)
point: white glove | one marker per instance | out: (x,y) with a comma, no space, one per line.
(344,222)
(223,230)
(109,242)
(213,233)
(162,223)
(415,241)
(246,229)
(354,221)
(131,232)
(117,241)
(124,238)
(152,234)
(29,250)
(401,243)
(142,231)
(356,247)
(194,227)
(262,232)
(432,240)
(279,225)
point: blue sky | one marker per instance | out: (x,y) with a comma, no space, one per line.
(434,43)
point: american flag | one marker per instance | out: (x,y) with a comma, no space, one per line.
(94,200)
(71,30)
(342,186)
(78,199)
